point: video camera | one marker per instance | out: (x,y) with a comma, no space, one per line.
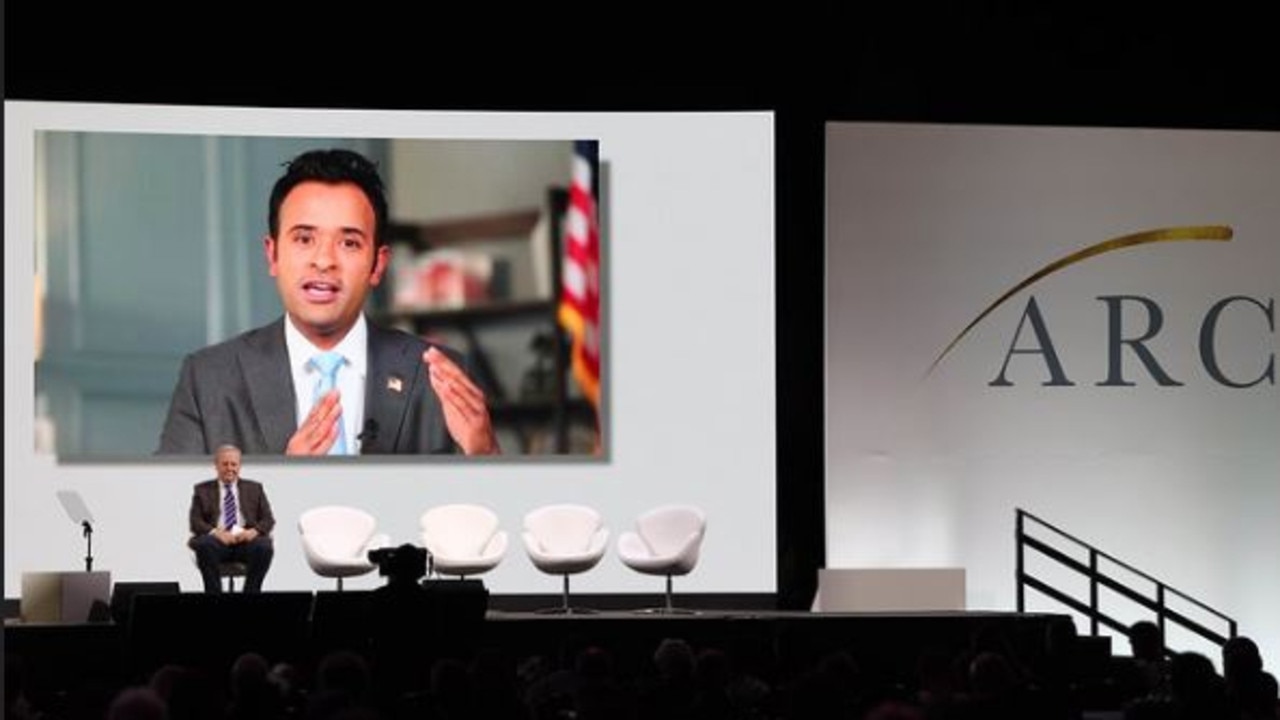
(404,564)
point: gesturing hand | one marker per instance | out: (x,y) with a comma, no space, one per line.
(465,413)
(319,430)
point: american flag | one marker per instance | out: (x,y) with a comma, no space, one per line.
(580,276)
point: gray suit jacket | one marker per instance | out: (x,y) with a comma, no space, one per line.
(241,392)
(206,511)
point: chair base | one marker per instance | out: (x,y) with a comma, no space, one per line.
(667,611)
(561,610)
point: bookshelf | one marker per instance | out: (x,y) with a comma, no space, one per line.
(539,408)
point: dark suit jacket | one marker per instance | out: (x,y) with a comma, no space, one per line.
(254,506)
(240,392)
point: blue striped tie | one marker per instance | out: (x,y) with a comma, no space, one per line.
(328,363)
(229,508)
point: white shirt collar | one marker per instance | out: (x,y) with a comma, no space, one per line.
(353,347)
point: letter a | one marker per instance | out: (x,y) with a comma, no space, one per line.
(1044,348)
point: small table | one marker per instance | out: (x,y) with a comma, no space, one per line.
(62,597)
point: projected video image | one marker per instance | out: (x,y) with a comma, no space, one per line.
(317,296)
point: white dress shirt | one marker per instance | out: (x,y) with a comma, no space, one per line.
(354,349)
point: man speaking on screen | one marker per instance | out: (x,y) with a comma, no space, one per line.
(322,380)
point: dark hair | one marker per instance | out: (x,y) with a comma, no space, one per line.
(333,167)
(1145,640)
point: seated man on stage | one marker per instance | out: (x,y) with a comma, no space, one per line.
(231,521)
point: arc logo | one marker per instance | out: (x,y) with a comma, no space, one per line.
(1039,341)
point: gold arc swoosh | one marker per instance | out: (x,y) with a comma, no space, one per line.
(1217,233)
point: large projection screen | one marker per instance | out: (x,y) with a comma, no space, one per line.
(689,372)
(1163,453)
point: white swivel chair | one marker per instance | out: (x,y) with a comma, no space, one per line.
(463,539)
(666,541)
(337,540)
(565,540)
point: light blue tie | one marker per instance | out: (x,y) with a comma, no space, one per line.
(328,363)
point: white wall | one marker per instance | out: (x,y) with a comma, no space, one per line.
(927,225)
(432,181)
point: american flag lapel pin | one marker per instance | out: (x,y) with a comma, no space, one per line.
(395,384)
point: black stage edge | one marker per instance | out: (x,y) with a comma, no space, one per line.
(208,632)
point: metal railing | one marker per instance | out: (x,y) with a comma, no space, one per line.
(1099,579)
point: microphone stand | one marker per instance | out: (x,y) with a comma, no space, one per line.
(88,538)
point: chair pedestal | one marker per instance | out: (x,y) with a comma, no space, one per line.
(668,608)
(565,608)
(231,571)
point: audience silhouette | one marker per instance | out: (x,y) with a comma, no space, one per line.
(586,678)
